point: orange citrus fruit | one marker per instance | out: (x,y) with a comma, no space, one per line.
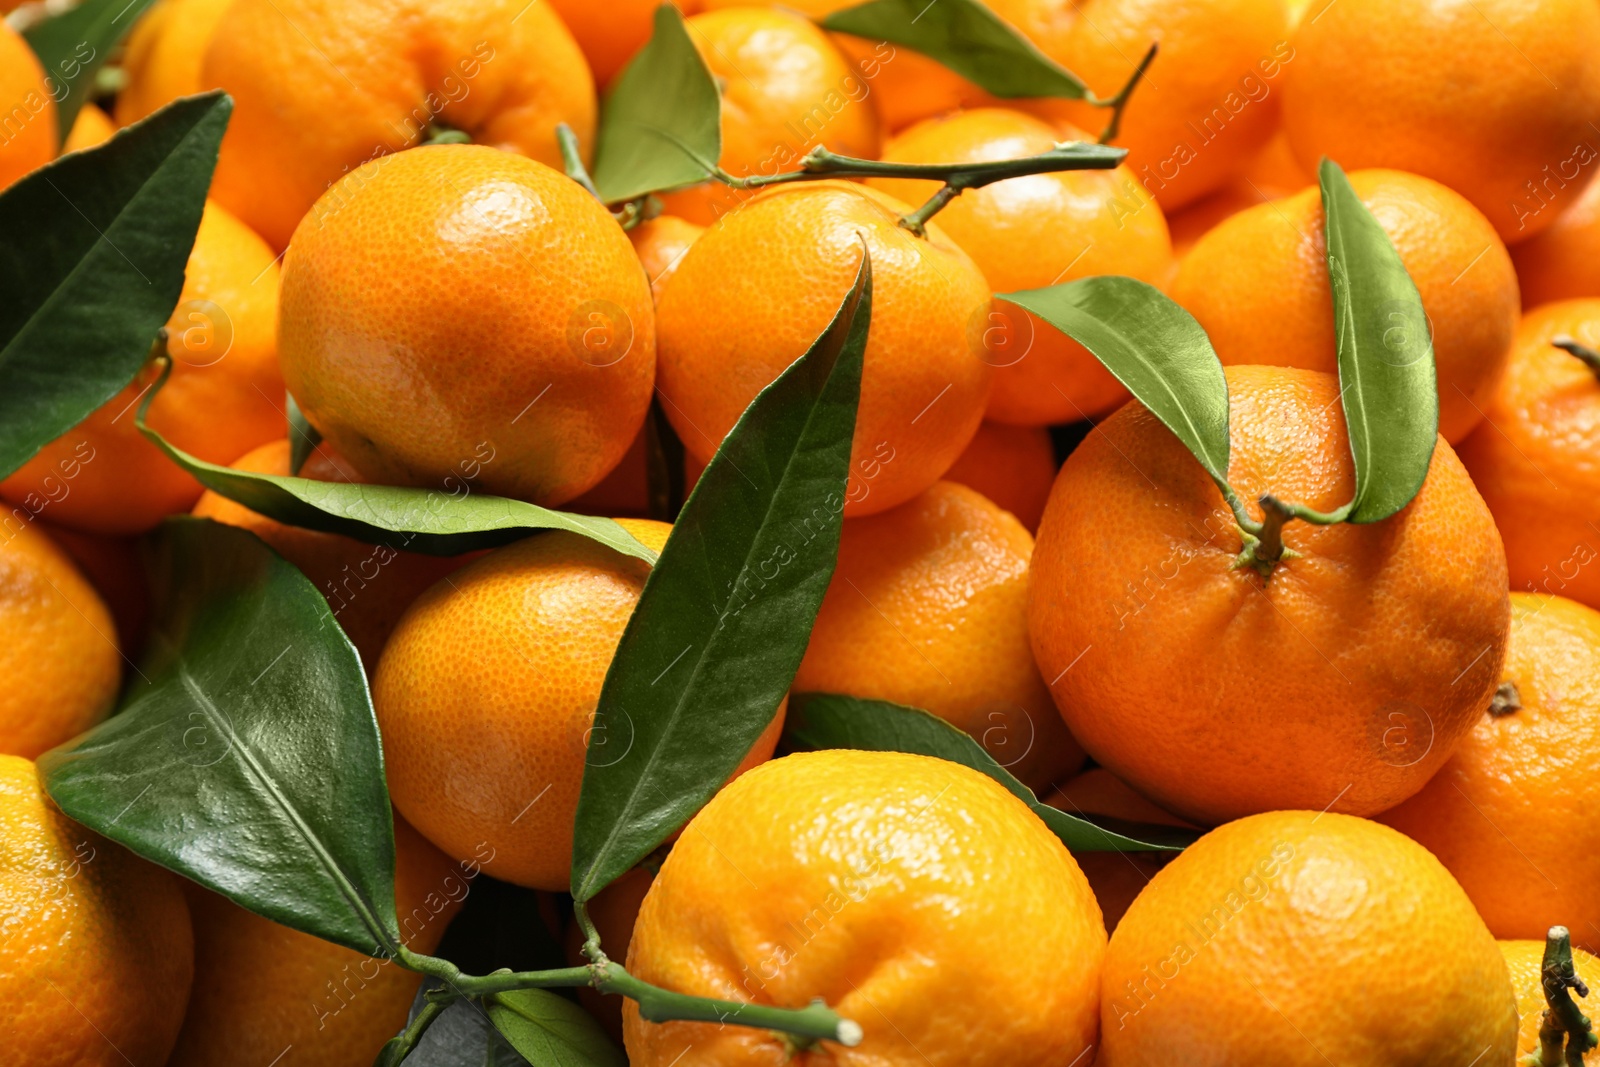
(486,694)
(1116,877)
(322,86)
(115,567)
(60,654)
(1272,174)
(1209,99)
(1525,961)
(1030,232)
(1014,466)
(1258,283)
(98,954)
(506,346)
(1274,939)
(927,608)
(903,85)
(91,127)
(1509,814)
(1494,98)
(225,397)
(367,586)
(610,35)
(1342,680)
(262,990)
(661,243)
(1533,456)
(1562,261)
(164,55)
(30,111)
(917,897)
(786,89)
(753,293)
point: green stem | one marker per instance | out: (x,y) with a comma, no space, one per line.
(1119,103)
(820,164)
(400,1046)
(572,158)
(1590,357)
(1563,1020)
(439,133)
(1267,550)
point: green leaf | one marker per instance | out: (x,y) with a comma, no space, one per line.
(461,1036)
(967,37)
(92,264)
(825,720)
(1386,369)
(1154,347)
(726,613)
(74,45)
(245,754)
(661,124)
(549,1030)
(416,520)
(303,437)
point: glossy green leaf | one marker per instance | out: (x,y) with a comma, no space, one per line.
(1386,369)
(461,1036)
(726,613)
(967,37)
(661,123)
(303,437)
(431,521)
(245,754)
(1154,347)
(92,264)
(548,1030)
(74,45)
(826,720)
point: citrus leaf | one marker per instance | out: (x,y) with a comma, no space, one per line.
(726,613)
(74,45)
(548,1030)
(303,437)
(826,720)
(430,521)
(92,264)
(1154,347)
(966,37)
(1386,369)
(661,124)
(461,1036)
(245,754)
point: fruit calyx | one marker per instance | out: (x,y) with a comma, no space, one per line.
(1590,357)
(1506,700)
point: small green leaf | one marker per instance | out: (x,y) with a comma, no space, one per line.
(74,45)
(245,754)
(461,1036)
(1386,369)
(967,37)
(725,615)
(303,437)
(92,265)
(661,123)
(1154,347)
(430,521)
(548,1030)
(825,720)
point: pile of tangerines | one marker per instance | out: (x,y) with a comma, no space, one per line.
(1328,776)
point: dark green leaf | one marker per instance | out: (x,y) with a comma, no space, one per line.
(461,1036)
(303,437)
(1154,347)
(549,1030)
(661,123)
(417,520)
(74,45)
(245,754)
(824,720)
(1386,370)
(967,37)
(725,615)
(91,266)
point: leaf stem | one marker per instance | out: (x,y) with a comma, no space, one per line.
(1119,103)
(1590,357)
(1267,550)
(572,158)
(438,133)
(820,164)
(398,1047)
(1563,1020)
